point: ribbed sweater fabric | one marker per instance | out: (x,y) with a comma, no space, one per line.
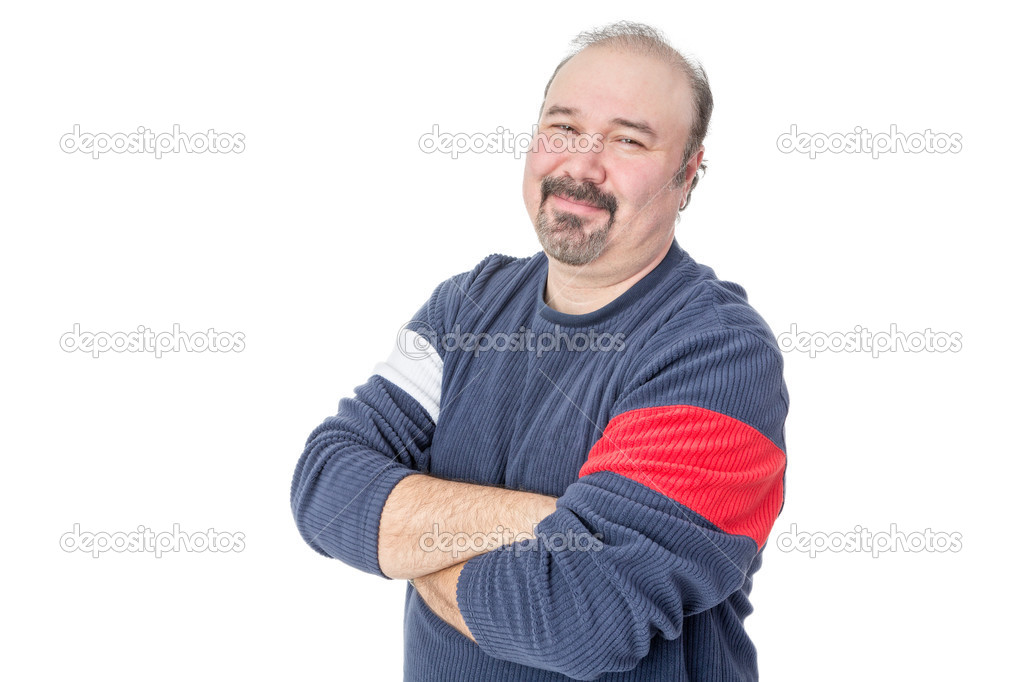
(659,425)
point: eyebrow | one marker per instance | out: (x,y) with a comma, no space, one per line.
(640,126)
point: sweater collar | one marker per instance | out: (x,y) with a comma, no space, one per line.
(627,298)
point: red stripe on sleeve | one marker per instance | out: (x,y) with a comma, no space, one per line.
(723,469)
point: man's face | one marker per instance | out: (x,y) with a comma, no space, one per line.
(615,201)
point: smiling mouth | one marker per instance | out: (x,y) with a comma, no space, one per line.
(576,202)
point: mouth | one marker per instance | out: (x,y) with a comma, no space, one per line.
(575,203)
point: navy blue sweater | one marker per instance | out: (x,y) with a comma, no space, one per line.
(658,422)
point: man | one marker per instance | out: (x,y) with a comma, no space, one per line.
(606,448)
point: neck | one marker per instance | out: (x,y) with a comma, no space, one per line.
(581,289)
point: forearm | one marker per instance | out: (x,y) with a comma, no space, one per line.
(429,523)
(439,590)
(616,564)
(349,466)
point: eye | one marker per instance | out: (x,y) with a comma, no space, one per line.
(630,141)
(564,126)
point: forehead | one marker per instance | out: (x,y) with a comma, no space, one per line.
(605,83)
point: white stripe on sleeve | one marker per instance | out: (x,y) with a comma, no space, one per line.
(415,367)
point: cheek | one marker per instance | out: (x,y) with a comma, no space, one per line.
(540,162)
(531,189)
(538,165)
(648,189)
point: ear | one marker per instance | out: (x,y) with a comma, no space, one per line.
(691,168)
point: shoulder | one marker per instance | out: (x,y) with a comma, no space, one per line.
(488,284)
(465,296)
(493,269)
(708,349)
(699,305)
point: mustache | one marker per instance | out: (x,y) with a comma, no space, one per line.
(585,192)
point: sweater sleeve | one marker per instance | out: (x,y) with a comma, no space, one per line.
(672,506)
(353,460)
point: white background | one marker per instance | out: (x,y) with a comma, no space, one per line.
(332,227)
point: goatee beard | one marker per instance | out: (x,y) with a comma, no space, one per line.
(563,235)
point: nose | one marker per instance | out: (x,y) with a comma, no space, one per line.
(583,160)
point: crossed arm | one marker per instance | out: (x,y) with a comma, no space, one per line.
(674,502)
(422,517)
